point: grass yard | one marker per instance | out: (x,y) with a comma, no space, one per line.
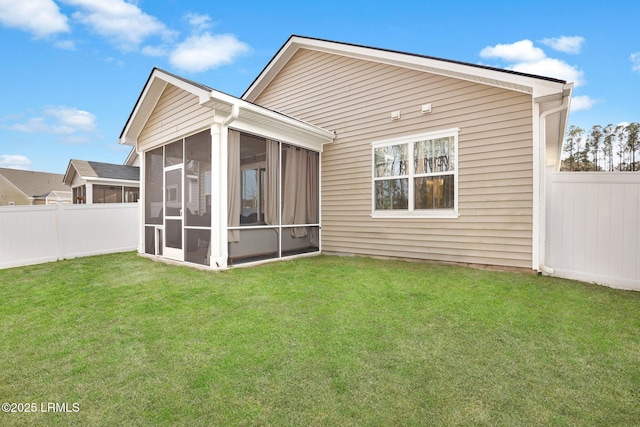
(330,341)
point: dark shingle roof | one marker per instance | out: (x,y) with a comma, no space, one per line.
(88,169)
(111,171)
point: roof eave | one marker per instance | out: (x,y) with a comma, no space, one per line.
(220,102)
(151,92)
(522,82)
(68,175)
(249,113)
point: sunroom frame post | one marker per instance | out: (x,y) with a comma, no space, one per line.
(219,249)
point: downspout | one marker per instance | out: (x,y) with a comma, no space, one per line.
(141,198)
(543,200)
(235,112)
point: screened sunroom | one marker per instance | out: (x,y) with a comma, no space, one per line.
(223,182)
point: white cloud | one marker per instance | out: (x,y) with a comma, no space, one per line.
(524,57)
(121,22)
(565,44)
(14,161)
(551,67)
(522,51)
(154,51)
(42,18)
(203,52)
(75,125)
(73,119)
(199,22)
(65,44)
(635,60)
(582,102)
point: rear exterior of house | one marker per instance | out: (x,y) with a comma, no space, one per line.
(489,217)
(347,149)
(494,158)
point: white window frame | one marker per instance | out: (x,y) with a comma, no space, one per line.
(410,212)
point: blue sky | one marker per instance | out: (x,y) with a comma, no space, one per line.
(73,69)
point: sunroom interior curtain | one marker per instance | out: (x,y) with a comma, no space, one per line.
(312,193)
(233,185)
(271,185)
(294,191)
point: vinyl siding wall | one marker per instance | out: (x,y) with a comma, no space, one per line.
(354,98)
(176,115)
(9,193)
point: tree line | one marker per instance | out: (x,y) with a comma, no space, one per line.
(609,148)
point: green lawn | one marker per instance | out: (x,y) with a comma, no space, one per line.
(333,341)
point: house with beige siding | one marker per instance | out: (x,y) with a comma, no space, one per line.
(348,149)
(21,187)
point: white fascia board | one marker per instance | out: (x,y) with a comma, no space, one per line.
(280,133)
(517,82)
(132,157)
(262,120)
(154,88)
(273,68)
(255,119)
(68,175)
(142,111)
(521,83)
(108,181)
(259,114)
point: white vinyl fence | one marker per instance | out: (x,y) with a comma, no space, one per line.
(593,227)
(36,234)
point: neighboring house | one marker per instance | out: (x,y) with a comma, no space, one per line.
(96,182)
(349,149)
(20,187)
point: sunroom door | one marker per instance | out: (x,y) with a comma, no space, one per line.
(173,218)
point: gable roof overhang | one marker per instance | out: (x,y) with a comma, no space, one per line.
(547,93)
(72,170)
(537,86)
(554,114)
(245,115)
(132,158)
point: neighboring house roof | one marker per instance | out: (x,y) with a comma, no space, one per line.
(227,107)
(34,184)
(89,170)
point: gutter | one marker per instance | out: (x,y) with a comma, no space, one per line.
(543,130)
